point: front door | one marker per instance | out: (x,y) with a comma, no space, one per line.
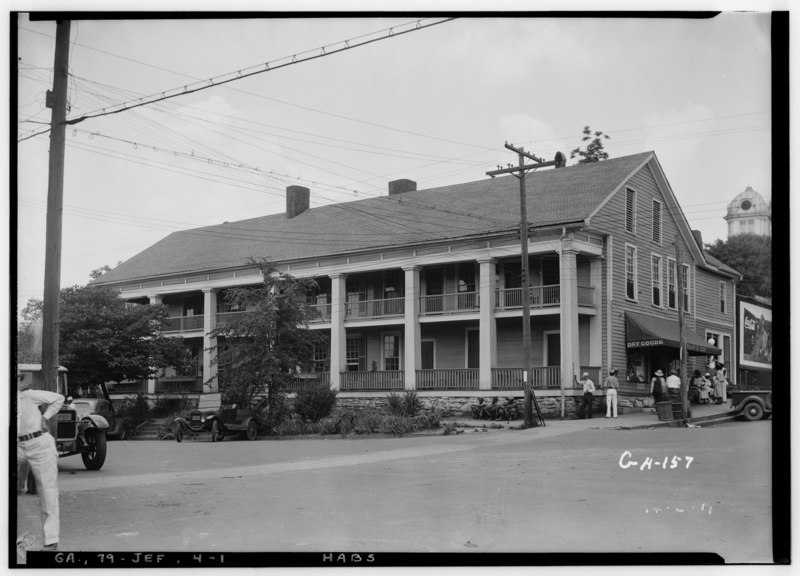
(473,349)
(554,349)
(427,349)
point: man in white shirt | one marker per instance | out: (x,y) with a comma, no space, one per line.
(37,448)
(588,395)
(674,386)
(611,385)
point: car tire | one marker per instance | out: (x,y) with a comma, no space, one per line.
(95,455)
(179,433)
(252,431)
(753,411)
(214,431)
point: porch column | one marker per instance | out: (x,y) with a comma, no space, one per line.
(488,325)
(570,352)
(210,383)
(596,321)
(338,333)
(413,342)
(155,299)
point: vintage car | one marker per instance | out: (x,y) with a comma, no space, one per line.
(220,420)
(752,404)
(105,408)
(75,431)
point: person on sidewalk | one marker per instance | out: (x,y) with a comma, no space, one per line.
(721,385)
(674,386)
(705,389)
(37,448)
(611,385)
(658,387)
(588,395)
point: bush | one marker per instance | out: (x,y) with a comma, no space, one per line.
(314,402)
(407,404)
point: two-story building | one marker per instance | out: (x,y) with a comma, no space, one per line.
(422,289)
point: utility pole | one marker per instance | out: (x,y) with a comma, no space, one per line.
(682,329)
(57,100)
(519,172)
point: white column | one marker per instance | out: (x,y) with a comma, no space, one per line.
(570,353)
(155,299)
(488,325)
(412,340)
(210,382)
(338,332)
(596,321)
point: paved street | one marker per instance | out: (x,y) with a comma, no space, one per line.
(572,486)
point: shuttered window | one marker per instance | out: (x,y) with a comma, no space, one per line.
(656,221)
(630,210)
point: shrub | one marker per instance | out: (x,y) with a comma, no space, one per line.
(407,404)
(314,402)
(292,427)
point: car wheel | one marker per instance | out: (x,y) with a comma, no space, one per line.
(252,431)
(178,433)
(214,431)
(753,411)
(95,454)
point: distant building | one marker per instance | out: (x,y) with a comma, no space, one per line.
(749,213)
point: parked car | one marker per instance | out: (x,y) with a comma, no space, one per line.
(105,408)
(752,404)
(220,420)
(75,431)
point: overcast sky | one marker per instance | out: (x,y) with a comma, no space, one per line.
(435,105)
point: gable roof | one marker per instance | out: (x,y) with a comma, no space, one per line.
(554,197)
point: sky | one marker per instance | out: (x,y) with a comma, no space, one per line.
(434,105)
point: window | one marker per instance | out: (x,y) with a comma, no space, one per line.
(656,221)
(356,354)
(391,352)
(630,210)
(322,356)
(428,350)
(672,290)
(686,287)
(466,277)
(656,280)
(630,272)
(723,297)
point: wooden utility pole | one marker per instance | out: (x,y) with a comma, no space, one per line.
(57,100)
(519,172)
(682,329)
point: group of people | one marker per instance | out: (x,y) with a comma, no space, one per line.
(703,389)
(610,387)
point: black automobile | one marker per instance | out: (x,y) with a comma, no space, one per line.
(204,418)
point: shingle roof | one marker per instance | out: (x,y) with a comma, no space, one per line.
(554,196)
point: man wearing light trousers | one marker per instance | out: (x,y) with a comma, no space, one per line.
(37,447)
(611,385)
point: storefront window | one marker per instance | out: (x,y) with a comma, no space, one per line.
(637,371)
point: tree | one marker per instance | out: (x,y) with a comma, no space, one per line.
(102,338)
(262,350)
(751,256)
(594,149)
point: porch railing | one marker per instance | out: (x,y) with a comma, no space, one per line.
(455,379)
(449,303)
(309,379)
(225,317)
(184,323)
(320,312)
(383,380)
(127,387)
(540,297)
(375,308)
(543,377)
(179,385)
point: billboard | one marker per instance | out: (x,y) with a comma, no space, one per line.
(755,336)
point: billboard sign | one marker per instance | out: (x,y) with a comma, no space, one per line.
(755,336)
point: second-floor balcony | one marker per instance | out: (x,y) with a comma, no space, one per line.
(459,302)
(540,297)
(184,323)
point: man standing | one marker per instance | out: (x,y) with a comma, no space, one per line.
(37,448)
(588,395)
(674,386)
(611,385)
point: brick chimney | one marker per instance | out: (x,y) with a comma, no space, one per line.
(402,185)
(297,200)
(698,237)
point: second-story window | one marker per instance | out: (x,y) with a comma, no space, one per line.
(672,287)
(656,279)
(630,272)
(686,287)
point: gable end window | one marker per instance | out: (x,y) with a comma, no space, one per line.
(656,221)
(630,210)
(686,287)
(630,272)
(723,297)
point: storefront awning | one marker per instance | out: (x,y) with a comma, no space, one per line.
(643,331)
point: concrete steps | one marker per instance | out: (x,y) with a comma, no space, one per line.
(146,431)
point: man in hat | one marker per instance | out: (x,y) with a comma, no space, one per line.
(610,385)
(38,448)
(588,394)
(674,386)
(658,388)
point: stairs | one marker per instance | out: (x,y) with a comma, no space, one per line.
(148,430)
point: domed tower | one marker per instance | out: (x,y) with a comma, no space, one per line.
(749,213)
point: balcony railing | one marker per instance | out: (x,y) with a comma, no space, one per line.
(184,323)
(179,385)
(454,379)
(543,377)
(225,317)
(541,297)
(127,387)
(320,312)
(384,380)
(375,308)
(449,303)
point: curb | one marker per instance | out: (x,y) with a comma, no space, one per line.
(685,422)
